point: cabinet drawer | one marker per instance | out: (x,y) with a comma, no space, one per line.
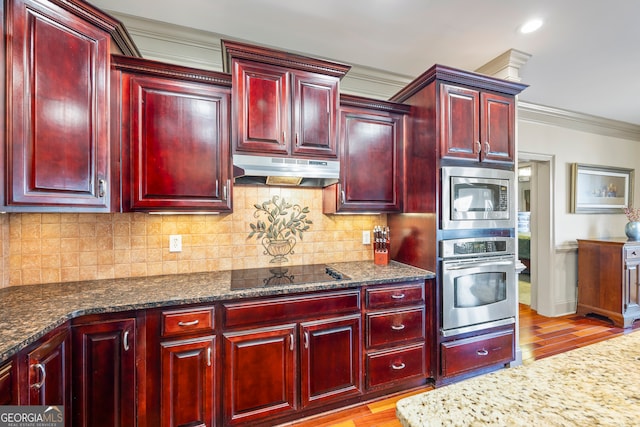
(631,253)
(179,322)
(476,352)
(394,365)
(393,327)
(395,296)
(285,309)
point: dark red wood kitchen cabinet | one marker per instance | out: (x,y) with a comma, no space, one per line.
(285,357)
(57,106)
(283,103)
(8,383)
(371,165)
(44,371)
(330,360)
(477,125)
(174,132)
(181,367)
(104,373)
(187,382)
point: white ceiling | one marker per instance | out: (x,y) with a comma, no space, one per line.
(585,58)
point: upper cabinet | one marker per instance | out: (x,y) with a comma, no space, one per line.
(283,104)
(173,131)
(57,105)
(477,125)
(371,144)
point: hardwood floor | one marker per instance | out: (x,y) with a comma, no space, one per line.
(540,337)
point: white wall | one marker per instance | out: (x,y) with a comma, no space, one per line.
(592,142)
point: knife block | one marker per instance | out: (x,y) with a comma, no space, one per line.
(381,257)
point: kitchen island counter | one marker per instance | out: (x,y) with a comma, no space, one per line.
(29,312)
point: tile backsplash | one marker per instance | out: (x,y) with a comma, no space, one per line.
(46,248)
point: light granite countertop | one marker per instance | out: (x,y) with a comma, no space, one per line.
(29,312)
(595,385)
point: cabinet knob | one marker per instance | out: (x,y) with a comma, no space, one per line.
(43,371)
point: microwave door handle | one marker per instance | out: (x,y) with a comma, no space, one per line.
(479,264)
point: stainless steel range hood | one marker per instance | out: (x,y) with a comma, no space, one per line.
(248,169)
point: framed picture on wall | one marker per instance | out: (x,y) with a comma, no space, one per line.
(600,189)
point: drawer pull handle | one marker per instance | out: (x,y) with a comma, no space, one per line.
(191,323)
(397,327)
(482,352)
(398,367)
(400,296)
(291,342)
(40,366)
(306,339)
(209,354)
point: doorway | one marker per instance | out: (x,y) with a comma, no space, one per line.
(535,229)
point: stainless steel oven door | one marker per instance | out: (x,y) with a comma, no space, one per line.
(477,291)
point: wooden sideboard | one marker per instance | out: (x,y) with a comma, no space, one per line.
(608,279)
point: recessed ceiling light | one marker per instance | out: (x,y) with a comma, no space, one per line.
(531,26)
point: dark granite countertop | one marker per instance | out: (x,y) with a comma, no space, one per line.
(28,312)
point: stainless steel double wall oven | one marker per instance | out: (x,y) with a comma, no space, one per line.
(477,249)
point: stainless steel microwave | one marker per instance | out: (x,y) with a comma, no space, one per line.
(476,198)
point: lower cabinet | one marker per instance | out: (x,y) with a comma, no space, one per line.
(330,360)
(187,382)
(474,353)
(45,368)
(260,361)
(104,373)
(259,378)
(396,335)
(8,384)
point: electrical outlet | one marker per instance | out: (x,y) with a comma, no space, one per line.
(366,237)
(175,243)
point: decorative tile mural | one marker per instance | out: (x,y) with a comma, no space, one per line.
(286,223)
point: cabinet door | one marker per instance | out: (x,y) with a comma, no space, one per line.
(259,374)
(497,132)
(371,161)
(179,148)
(330,360)
(187,382)
(8,384)
(315,100)
(261,110)
(57,110)
(104,363)
(48,370)
(460,122)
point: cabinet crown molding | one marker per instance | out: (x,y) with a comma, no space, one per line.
(232,49)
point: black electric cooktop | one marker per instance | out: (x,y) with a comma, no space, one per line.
(283,275)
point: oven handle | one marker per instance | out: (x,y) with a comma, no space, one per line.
(477,264)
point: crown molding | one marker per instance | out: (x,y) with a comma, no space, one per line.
(201,49)
(535,113)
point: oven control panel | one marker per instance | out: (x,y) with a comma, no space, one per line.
(475,247)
